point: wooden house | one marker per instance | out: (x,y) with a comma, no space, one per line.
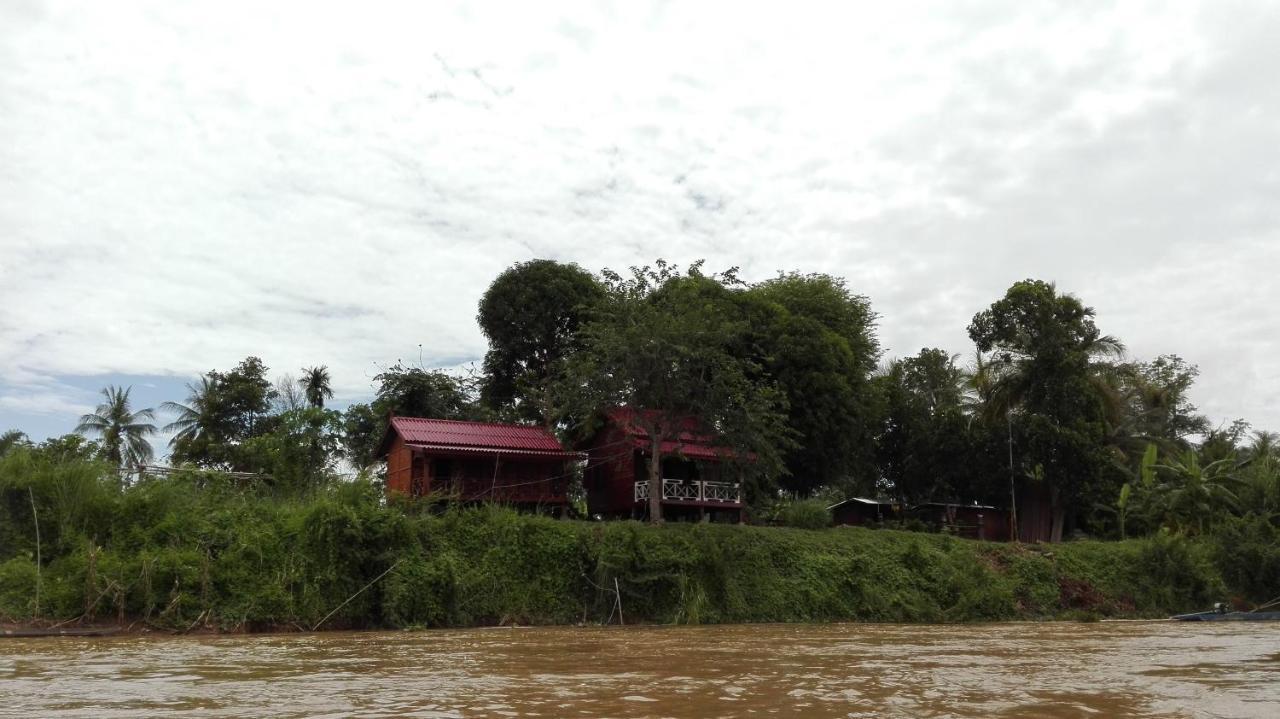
(477,462)
(699,482)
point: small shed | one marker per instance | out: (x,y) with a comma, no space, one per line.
(516,464)
(974,521)
(860,511)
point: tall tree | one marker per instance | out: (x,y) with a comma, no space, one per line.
(124,432)
(409,391)
(418,392)
(530,315)
(362,430)
(315,383)
(290,395)
(926,447)
(1042,348)
(817,340)
(659,346)
(197,420)
(223,411)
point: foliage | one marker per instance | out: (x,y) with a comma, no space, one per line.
(1247,550)
(418,392)
(406,391)
(530,314)
(1192,497)
(805,514)
(660,345)
(817,341)
(362,430)
(124,432)
(195,548)
(223,411)
(12,439)
(924,431)
(300,451)
(1044,361)
(315,384)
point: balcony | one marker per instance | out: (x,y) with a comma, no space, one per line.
(680,491)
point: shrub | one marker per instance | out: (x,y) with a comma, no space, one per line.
(805,514)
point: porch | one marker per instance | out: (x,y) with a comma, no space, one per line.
(694,492)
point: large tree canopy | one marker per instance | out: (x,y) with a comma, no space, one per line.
(530,315)
(818,343)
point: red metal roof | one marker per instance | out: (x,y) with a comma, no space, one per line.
(494,450)
(456,434)
(692,442)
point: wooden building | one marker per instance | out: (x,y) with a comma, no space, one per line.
(477,462)
(699,483)
(973,521)
(861,512)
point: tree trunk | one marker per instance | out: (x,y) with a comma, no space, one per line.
(655,481)
(1059,514)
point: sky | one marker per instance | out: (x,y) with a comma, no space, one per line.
(183,185)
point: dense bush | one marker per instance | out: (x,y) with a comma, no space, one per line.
(1248,552)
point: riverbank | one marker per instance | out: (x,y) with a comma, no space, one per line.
(175,558)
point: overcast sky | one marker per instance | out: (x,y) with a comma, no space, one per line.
(185,184)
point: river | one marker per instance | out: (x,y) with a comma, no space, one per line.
(1108,669)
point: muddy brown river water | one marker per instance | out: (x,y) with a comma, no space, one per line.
(1109,669)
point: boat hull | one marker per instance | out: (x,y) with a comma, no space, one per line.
(1229,617)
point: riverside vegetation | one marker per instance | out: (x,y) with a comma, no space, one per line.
(194,550)
(257,527)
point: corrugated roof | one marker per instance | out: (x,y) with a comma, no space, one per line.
(494,450)
(448,433)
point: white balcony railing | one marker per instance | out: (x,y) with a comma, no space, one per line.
(679,490)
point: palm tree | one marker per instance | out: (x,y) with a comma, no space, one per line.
(315,383)
(195,418)
(1195,495)
(1265,445)
(124,433)
(9,440)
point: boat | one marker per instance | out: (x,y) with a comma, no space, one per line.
(28,632)
(1219,613)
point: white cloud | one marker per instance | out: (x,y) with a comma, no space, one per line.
(182,185)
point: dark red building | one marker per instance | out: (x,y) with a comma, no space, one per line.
(477,461)
(698,480)
(973,521)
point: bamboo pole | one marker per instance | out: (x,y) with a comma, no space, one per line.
(35,517)
(358,593)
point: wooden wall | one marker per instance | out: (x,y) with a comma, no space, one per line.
(399,465)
